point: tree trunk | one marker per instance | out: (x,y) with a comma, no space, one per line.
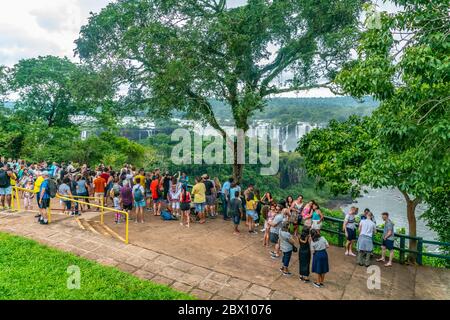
(237,171)
(412,225)
(411,212)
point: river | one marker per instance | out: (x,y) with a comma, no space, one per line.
(392,201)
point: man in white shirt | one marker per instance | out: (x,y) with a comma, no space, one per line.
(367,229)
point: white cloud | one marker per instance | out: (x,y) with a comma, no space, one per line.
(30,28)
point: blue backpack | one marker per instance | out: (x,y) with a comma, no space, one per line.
(167,216)
(138,196)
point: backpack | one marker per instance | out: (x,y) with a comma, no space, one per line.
(167,216)
(4,179)
(138,196)
(52,188)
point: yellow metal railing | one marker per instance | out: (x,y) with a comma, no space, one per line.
(102,208)
(15,196)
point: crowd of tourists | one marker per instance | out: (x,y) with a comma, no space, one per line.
(284,224)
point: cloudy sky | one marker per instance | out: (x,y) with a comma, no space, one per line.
(29,28)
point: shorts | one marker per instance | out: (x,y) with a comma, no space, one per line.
(139,204)
(252,214)
(273,238)
(175,205)
(388,244)
(68,204)
(185,206)
(351,234)
(211,200)
(44,204)
(128,207)
(5,191)
(157,200)
(236,219)
(316,224)
(99,195)
(200,207)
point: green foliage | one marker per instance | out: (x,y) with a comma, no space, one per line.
(178,55)
(408,135)
(30,271)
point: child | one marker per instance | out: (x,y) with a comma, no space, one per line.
(251,212)
(269,218)
(320,265)
(115,195)
(185,206)
(286,246)
(174,199)
(28,196)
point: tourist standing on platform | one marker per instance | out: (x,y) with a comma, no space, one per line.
(296,212)
(317,217)
(287,245)
(5,187)
(99,188)
(225,197)
(388,240)
(174,198)
(319,246)
(275,227)
(156,194)
(44,201)
(139,200)
(367,230)
(64,190)
(185,206)
(210,196)
(304,254)
(235,211)
(268,213)
(82,190)
(252,216)
(28,195)
(199,193)
(126,197)
(349,229)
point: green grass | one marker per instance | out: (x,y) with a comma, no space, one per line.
(30,271)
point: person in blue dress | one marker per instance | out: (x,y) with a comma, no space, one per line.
(319,246)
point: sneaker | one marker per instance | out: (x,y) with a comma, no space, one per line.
(43,223)
(321,285)
(281,270)
(317,285)
(381,260)
(274,257)
(287,274)
(263,230)
(306,280)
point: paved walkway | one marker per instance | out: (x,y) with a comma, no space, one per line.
(209,262)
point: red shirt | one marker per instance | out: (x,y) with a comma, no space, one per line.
(154,189)
(105,176)
(99,185)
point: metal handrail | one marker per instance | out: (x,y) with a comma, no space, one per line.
(15,195)
(402,249)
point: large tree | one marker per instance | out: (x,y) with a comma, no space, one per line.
(52,89)
(180,54)
(403,61)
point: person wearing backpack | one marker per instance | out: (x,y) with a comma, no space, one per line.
(5,187)
(139,200)
(44,201)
